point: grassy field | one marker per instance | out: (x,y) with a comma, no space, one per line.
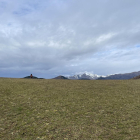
(39,109)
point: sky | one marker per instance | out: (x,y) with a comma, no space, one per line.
(65,37)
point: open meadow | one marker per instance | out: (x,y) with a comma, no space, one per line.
(40,109)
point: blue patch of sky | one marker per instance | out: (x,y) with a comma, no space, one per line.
(27,9)
(2,6)
(9,24)
(34,6)
(22,11)
(138,45)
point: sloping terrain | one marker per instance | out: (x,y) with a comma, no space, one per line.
(120,76)
(60,77)
(137,77)
(109,77)
(33,77)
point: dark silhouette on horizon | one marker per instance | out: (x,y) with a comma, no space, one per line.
(31,76)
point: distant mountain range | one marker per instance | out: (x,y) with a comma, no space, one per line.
(89,76)
(120,76)
(108,77)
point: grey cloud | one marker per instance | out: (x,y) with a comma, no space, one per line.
(56,37)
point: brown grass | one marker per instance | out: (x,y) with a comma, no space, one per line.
(32,109)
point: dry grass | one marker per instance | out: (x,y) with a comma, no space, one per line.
(37,109)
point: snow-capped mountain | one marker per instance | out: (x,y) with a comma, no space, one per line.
(85,75)
(90,76)
(120,76)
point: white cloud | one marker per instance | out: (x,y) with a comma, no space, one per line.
(64,37)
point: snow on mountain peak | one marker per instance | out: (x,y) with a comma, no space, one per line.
(85,75)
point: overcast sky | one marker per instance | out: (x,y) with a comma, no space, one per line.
(65,37)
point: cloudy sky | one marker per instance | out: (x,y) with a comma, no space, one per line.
(65,37)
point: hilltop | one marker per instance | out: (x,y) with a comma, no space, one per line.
(60,77)
(33,77)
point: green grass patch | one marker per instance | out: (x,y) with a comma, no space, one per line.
(37,109)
